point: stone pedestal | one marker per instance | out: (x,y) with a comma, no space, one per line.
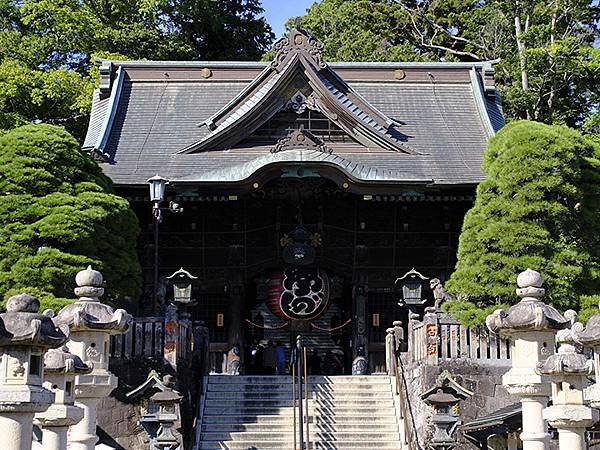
(60,369)
(532,326)
(568,370)
(25,335)
(91,324)
(589,336)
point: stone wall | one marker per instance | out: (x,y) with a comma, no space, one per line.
(118,425)
(118,415)
(482,378)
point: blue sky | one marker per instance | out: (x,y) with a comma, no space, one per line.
(277,12)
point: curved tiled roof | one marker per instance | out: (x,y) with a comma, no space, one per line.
(444,113)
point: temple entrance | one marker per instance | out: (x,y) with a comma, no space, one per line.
(327,336)
(361,243)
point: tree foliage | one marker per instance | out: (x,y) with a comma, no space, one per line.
(47,47)
(538,208)
(58,215)
(548,71)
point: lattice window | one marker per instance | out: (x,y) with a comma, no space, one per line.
(283,122)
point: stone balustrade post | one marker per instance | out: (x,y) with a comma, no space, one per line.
(91,324)
(430,321)
(568,369)
(25,335)
(399,336)
(171,347)
(60,369)
(532,325)
(390,345)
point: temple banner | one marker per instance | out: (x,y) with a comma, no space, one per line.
(298,293)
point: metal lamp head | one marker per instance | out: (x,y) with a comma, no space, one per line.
(157,188)
(182,282)
(411,284)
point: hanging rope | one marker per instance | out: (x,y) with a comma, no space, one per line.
(331,329)
(262,327)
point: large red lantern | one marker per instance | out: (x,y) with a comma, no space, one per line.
(298,293)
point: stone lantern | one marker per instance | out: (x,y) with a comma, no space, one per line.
(590,337)
(182,282)
(444,398)
(532,325)
(60,369)
(411,284)
(568,370)
(91,323)
(167,402)
(25,335)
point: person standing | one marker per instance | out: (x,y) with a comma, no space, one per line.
(280,354)
(270,359)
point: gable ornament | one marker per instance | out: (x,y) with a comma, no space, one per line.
(300,139)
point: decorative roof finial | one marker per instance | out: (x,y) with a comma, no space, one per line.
(298,42)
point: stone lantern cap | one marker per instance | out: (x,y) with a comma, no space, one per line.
(21,324)
(530,314)
(588,336)
(60,360)
(567,360)
(88,313)
(446,391)
(167,396)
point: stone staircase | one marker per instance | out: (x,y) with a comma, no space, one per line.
(255,412)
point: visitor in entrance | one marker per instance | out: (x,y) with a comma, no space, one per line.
(280,354)
(314,362)
(270,359)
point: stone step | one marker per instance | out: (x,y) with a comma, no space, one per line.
(287,387)
(287,445)
(286,379)
(287,417)
(287,403)
(287,427)
(314,436)
(337,411)
(321,395)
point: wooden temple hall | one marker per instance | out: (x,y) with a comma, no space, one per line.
(309,190)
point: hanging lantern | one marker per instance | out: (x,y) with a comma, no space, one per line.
(298,293)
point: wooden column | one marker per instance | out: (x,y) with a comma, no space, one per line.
(360,332)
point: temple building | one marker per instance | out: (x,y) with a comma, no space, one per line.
(309,190)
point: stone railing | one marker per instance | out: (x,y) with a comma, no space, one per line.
(170,337)
(440,337)
(144,339)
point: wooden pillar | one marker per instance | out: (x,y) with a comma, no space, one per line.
(360,332)
(235,328)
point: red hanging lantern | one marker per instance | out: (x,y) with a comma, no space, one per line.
(298,293)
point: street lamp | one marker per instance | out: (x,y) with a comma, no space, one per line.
(157,186)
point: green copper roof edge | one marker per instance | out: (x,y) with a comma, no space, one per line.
(478,95)
(112,111)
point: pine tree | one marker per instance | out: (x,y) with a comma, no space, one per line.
(538,208)
(57,215)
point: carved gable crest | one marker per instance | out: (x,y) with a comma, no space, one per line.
(298,41)
(300,140)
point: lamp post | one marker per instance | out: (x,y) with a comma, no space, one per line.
(157,186)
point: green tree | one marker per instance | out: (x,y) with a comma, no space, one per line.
(538,208)
(548,69)
(47,47)
(57,215)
